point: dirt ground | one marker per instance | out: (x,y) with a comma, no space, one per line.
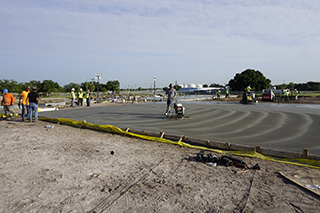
(67,169)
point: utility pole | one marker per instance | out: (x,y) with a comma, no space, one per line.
(93,87)
(154,82)
(97,77)
(86,84)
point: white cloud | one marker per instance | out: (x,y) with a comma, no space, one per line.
(205,34)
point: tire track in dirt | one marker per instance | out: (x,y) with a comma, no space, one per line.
(123,188)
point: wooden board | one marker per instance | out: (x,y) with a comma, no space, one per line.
(304,179)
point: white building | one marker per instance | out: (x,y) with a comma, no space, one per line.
(190,88)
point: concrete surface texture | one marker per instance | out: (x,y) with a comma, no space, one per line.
(289,127)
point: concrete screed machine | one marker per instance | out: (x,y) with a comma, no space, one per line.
(179,112)
(248,97)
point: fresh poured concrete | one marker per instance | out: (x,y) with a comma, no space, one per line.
(289,127)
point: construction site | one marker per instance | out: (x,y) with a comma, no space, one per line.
(120,157)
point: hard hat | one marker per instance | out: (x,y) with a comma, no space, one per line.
(80,89)
(72,89)
(5,91)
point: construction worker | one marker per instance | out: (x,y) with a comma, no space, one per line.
(80,97)
(134,99)
(88,96)
(286,94)
(25,104)
(218,93)
(172,94)
(7,103)
(227,93)
(73,97)
(33,99)
(296,94)
(249,88)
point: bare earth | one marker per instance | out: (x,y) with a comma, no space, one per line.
(67,169)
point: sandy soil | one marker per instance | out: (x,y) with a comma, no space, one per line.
(67,169)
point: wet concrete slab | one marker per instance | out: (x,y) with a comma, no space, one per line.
(289,127)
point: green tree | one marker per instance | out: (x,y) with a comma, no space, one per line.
(291,86)
(249,76)
(91,86)
(69,86)
(84,85)
(177,87)
(103,89)
(113,86)
(313,86)
(22,86)
(97,86)
(49,86)
(309,86)
(37,84)
(10,85)
(205,85)
(216,85)
(88,85)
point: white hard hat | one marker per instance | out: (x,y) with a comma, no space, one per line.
(72,89)
(80,89)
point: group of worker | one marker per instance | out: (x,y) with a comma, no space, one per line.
(287,93)
(80,95)
(218,93)
(29,101)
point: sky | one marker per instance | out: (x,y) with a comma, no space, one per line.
(183,41)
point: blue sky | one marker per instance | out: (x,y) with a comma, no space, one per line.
(188,41)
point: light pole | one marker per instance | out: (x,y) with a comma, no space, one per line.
(86,83)
(97,77)
(154,85)
(93,87)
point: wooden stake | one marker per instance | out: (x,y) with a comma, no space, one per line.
(161,134)
(305,153)
(227,146)
(257,149)
(126,131)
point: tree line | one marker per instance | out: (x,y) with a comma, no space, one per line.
(260,82)
(309,86)
(49,86)
(238,83)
